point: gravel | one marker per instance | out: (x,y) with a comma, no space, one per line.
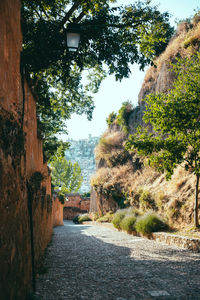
(94,263)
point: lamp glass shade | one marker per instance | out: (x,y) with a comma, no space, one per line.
(73,40)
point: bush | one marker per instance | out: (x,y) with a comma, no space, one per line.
(75,220)
(94,216)
(111,118)
(117,218)
(149,223)
(81,218)
(84,218)
(123,116)
(106,218)
(146,200)
(128,223)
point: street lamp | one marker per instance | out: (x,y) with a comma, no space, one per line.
(73,37)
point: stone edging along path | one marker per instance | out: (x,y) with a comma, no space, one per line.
(183,242)
(178,240)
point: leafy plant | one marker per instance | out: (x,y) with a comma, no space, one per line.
(106,218)
(118,217)
(95,216)
(132,34)
(81,218)
(66,177)
(123,115)
(111,118)
(76,219)
(149,223)
(86,195)
(128,223)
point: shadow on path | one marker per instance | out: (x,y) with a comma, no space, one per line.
(91,262)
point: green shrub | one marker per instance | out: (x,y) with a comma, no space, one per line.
(134,211)
(81,218)
(111,118)
(117,218)
(76,219)
(123,116)
(149,223)
(128,223)
(106,218)
(95,216)
(84,218)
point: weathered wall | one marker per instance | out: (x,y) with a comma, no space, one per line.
(40,192)
(57,212)
(93,201)
(101,204)
(15,250)
(75,200)
(75,205)
(70,212)
(10,47)
(21,166)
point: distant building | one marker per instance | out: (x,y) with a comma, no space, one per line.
(82,151)
(75,205)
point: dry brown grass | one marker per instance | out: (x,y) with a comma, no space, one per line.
(102,176)
(174,198)
(108,142)
(107,178)
(184,43)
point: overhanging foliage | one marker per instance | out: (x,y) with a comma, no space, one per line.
(112,37)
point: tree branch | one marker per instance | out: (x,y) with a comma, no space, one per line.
(69,13)
(80,17)
(42,9)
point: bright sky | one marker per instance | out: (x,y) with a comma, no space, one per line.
(112,93)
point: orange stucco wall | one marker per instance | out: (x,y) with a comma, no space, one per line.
(57,212)
(75,205)
(75,200)
(21,156)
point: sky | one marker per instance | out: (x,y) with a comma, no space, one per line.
(112,94)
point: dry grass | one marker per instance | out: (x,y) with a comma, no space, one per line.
(107,178)
(174,198)
(184,43)
(102,176)
(108,142)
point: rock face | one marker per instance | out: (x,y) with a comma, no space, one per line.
(174,198)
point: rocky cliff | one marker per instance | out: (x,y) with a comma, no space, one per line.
(123,174)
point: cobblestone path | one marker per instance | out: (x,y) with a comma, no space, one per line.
(94,262)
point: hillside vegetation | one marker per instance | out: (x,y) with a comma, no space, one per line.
(126,177)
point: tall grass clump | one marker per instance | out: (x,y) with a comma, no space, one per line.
(149,223)
(146,200)
(106,218)
(118,217)
(128,223)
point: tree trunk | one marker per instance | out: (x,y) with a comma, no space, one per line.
(196,219)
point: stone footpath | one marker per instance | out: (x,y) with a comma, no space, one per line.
(95,262)
(183,242)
